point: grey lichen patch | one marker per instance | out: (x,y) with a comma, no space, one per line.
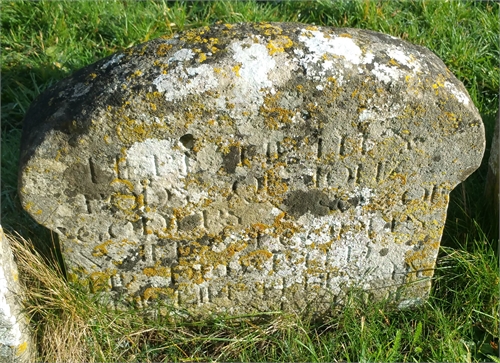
(249,167)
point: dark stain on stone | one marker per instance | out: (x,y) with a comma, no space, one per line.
(334,204)
(418,246)
(130,261)
(314,201)
(383,251)
(190,222)
(232,159)
(344,205)
(90,181)
(250,151)
(308,179)
(354,201)
(205,240)
(187,140)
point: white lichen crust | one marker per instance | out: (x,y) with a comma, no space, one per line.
(252,167)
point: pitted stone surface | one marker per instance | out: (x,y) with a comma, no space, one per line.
(252,167)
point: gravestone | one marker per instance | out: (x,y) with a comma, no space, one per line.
(15,340)
(252,167)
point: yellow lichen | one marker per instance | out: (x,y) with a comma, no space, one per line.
(124,202)
(130,131)
(392,62)
(163,49)
(155,292)
(236,70)
(22,348)
(101,280)
(157,271)
(101,250)
(274,115)
(279,44)
(256,259)
(126,182)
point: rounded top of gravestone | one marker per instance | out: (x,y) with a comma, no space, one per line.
(209,139)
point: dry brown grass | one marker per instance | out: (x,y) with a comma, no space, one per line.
(71,325)
(58,315)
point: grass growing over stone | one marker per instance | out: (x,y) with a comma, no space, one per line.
(42,42)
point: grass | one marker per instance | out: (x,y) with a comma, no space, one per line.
(44,41)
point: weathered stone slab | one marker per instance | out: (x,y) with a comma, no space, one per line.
(15,340)
(252,167)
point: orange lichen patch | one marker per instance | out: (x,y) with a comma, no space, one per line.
(315,267)
(157,271)
(345,35)
(268,29)
(324,247)
(21,348)
(130,131)
(125,182)
(101,250)
(155,292)
(100,281)
(420,261)
(449,122)
(124,202)
(439,83)
(163,49)
(153,95)
(401,177)
(412,111)
(275,115)
(279,44)
(137,73)
(331,90)
(202,57)
(392,62)
(256,229)
(194,35)
(255,259)
(274,183)
(236,70)
(211,45)
(283,227)
(196,260)
(140,200)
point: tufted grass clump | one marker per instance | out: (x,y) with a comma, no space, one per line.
(45,41)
